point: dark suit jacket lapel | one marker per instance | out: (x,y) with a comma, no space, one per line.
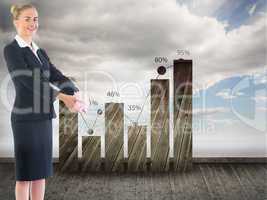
(31,58)
(35,63)
(43,59)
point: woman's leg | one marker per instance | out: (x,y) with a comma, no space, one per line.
(22,190)
(37,189)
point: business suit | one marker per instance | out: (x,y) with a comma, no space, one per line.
(33,110)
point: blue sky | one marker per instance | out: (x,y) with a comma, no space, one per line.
(232,101)
(235,13)
(238,13)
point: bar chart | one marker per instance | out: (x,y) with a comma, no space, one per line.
(170,122)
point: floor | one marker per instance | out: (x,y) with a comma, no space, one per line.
(205,181)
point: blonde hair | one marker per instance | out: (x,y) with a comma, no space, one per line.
(16,10)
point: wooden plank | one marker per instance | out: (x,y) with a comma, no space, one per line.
(180,138)
(87,146)
(56,186)
(68,139)
(112,111)
(97,162)
(205,181)
(188,154)
(185,154)
(68,160)
(212,182)
(182,77)
(160,156)
(69,153)
(194,180)
(137,156)
(230,183)
(241,160)
(132,136)
(114,125)
(142,165)
(7,176)
(161,187)
(91,153)
(260,160)
(159,124)
(254,183)
(120,164)
(87,186)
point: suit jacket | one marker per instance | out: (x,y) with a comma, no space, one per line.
(34,95)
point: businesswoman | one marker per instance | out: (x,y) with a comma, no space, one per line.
(34,78)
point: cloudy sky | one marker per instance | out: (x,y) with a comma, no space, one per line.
(111,45)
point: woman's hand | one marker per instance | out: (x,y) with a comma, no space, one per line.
(69,100)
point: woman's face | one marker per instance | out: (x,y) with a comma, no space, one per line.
(27,22)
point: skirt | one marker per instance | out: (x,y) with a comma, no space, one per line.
(33,149)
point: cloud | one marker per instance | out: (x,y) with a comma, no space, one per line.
(210,111)
(204,7)
(252,9)
(111,36)
(122,37)
(260,77)
(227,94)
(264,109)
(225,122)
(260,99)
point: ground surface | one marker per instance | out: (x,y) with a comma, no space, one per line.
(205,181)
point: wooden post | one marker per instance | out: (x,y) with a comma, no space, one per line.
(136,148)
(160,125)
(182,77)
(91,154)
(114,127)
(68,139)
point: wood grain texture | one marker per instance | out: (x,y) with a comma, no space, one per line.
(203,182)
(114,129)
(68,139)
(136,161)
(91,154)
(182,117)
(159,124)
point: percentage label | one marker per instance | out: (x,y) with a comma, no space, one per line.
(181,52)
(161,59)
(113,94)
(134,107)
